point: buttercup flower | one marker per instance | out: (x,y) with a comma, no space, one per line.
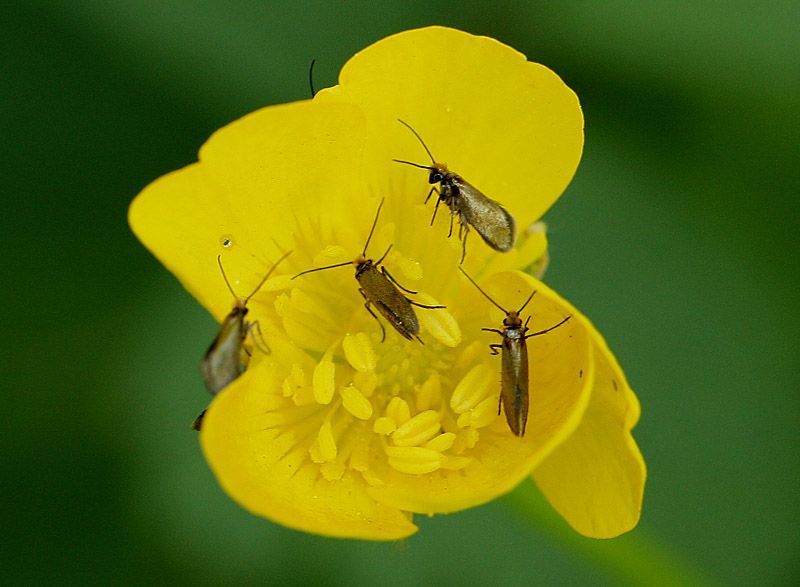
(335,432)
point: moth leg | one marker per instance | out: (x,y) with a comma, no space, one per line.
(500,332)
(413,303)
(394,281)
(430,193)
(546,330)
(367,305)
(452,214)
(495,349)
(463,225)
(435,209)
(379,261)
(256,326)
(419,339)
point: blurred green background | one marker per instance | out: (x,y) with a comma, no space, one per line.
(677,237)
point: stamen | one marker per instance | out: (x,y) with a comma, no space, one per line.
(325,445)
(418,429)
(384,426)
(324,380)
(472,388)
(359,352)
(481,415)
(469,354)
(429,394)
(439,323)
(442,442)
(414,460)
(355,403)
(398,411)
(296,387)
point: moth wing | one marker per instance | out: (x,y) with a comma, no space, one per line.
(390,302)
(486,216)
(222,362)
(514,384)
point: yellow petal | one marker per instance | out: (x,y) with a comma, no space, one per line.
(510,127)
(267,470)
(242,200)
(596,478)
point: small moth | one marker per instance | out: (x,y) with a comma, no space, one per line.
(489,218)
(227,357)
(380,289)
(514,363)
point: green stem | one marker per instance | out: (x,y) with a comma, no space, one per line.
(634,558)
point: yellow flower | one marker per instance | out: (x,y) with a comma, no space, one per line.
(334,432)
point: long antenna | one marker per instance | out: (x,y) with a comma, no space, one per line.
(311,77)
(416,134)
(546,330)
(322,268)
(371,230)
(488,297)
(264,279)
(530,297)
(428,167)
(225,277)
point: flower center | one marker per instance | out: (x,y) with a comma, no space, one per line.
(353,405)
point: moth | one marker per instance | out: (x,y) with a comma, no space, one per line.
(382,291)
(487,217)
(227,357)
(514,397)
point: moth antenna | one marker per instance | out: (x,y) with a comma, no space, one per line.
(264,279)
(311,78)
(322,268)
(428,167)
(416,134)
(371,230)
(530,297)
(488,297)
(225,277)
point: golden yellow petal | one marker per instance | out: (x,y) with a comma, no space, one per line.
(266,468)
(596,478)
(510,127)
(257,189)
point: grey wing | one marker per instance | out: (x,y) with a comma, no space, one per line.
(514,385)
(222,362)
(392,304)
(487,217)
